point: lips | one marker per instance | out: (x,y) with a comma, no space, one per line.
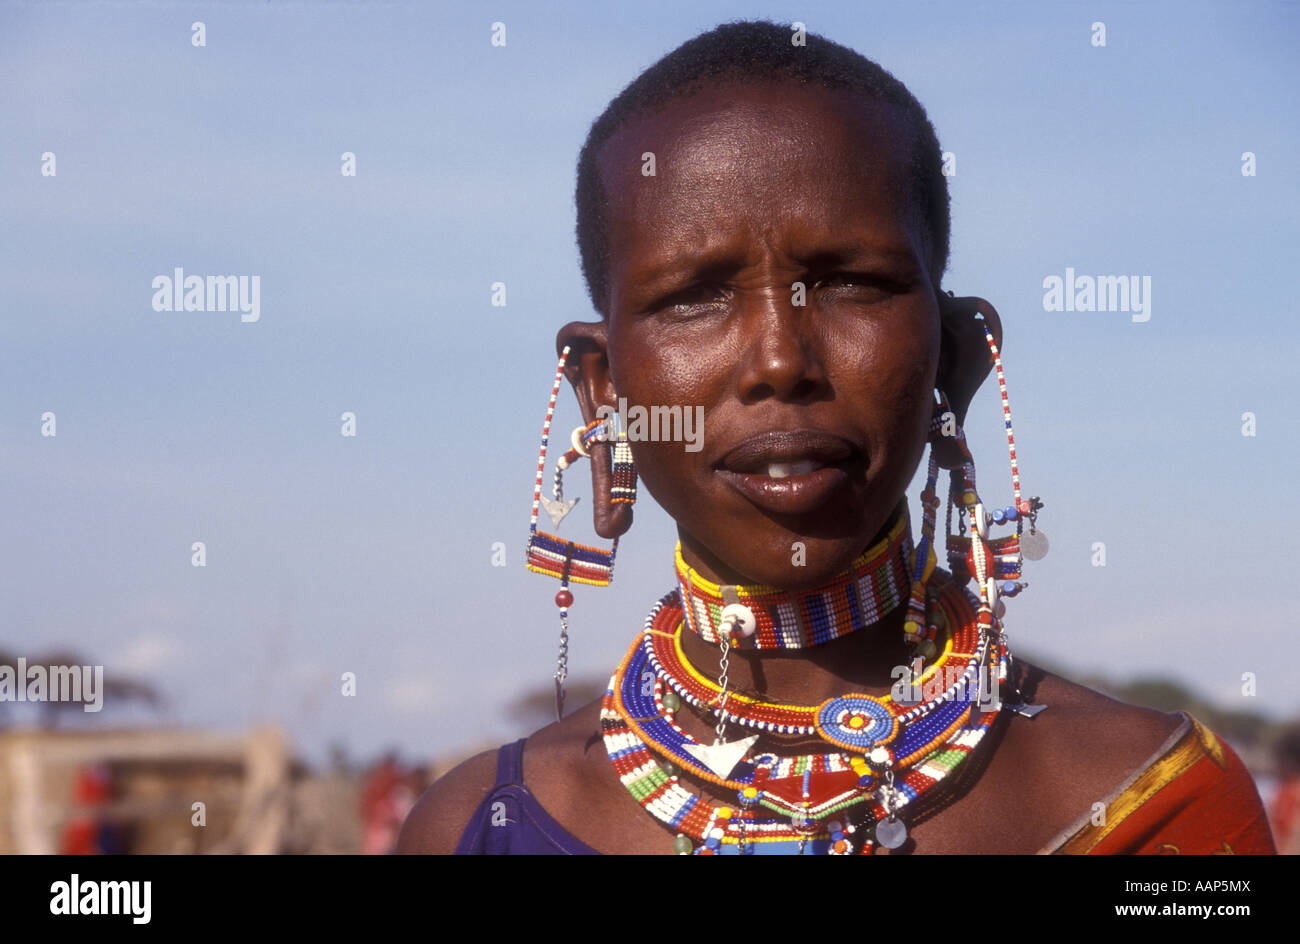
(789,472)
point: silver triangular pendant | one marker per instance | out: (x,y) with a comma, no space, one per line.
(558,509)
(721,758)
(1028,710)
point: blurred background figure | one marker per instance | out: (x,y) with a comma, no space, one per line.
(88,831)
(1284,807)
(386,797)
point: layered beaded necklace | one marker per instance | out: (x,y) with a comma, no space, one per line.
(820,801)
(884,752)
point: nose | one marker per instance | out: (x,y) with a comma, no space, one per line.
(781,358)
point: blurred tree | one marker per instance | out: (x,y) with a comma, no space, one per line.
(534,707)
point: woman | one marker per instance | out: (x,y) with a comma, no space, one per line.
(764,229)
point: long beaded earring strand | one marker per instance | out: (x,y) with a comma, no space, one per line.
(554,556)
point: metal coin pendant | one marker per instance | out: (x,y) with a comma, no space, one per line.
(891,833)
(1033,545)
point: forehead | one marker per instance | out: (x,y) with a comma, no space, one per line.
(757,158)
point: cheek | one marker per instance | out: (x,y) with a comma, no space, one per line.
(894,371)
(675,478)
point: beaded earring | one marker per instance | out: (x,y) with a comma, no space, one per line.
(995,564)
(622,486)
(554,556)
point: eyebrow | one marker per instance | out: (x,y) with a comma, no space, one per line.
(722,263)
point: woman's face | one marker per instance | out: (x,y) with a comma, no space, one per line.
(815,414)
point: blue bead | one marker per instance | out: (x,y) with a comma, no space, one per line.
(999,516)
(1011,513)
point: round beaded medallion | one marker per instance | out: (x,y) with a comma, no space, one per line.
(856,722)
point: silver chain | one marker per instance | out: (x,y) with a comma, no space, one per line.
(561,667)
(891,795)
(723,666)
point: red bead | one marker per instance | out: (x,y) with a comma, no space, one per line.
(987,555)
(564,599)
(1023,506)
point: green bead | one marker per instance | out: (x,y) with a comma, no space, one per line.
(926,649)
(671,701)
(938,618)
(682,845)
(669,768)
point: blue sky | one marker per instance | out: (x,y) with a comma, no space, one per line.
(373,554)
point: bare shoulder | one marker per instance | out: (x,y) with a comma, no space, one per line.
(1096,723)
(1085,744)
(566,767)
(439,817)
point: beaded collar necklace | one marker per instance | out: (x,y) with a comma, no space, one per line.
(873,586)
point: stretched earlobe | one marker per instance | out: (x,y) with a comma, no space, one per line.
(588,371)
(964,359)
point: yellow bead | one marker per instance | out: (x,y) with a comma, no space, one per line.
(750,793)
(724,812)
(911,627)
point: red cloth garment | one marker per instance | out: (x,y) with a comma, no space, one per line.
(1194,796)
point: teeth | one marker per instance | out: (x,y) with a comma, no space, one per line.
(781,470)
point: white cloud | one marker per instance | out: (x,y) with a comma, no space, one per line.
(147,654)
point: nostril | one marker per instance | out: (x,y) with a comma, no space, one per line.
(805,389)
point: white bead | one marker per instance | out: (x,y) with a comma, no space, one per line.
(576,439)
(991,588)
(743,620)
(878,756)
(981,521)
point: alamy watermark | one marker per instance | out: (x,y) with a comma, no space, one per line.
(1130,293)
(181,292)
(658,423)
(87,897)
(912,686)
(40,683)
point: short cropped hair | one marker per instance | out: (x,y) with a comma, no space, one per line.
(752,51)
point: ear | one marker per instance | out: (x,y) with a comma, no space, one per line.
(587,370)
(964,355)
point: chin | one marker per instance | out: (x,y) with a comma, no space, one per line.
(798,560)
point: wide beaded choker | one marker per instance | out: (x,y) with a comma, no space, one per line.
(873,586)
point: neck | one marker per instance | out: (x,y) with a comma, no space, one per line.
(846,635)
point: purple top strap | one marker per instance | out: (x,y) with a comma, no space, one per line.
(510,821)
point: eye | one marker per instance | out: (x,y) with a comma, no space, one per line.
(696,296)
(859,279)
(860,286)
